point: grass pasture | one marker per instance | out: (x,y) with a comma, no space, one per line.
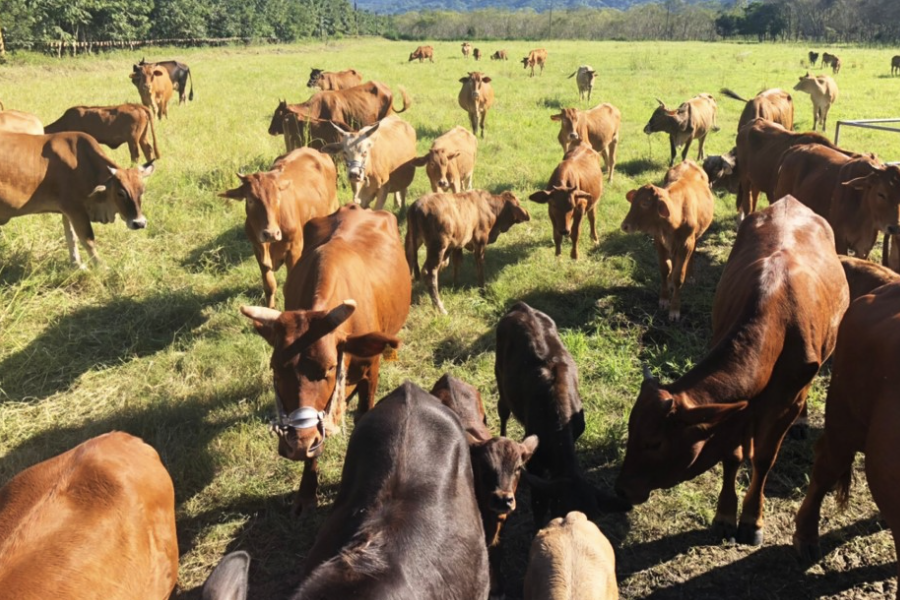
(152,343)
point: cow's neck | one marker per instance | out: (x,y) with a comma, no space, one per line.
(724,375)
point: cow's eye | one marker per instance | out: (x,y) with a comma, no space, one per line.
(122,193)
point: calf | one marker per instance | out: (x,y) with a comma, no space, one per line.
(300,186)
(499,55)
(813,57)
(535,58)
(863,276)
(329,81)
(598,126)
(721,170)
(451,161)
(774,105)
(97,521)
(155,88)
(571,559)
(584,77)
(379,160)
(675,216)
(476,53)
(476,97)
(862,414)
(775,319)
(447,223)
(466,49)
(178,72)
(824,91)
(693,120)
(113,126)
(422,52)
(895,65)
(573,191)
(17,121)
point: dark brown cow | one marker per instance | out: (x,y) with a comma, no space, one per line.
(895,65)
(447,223)
(476,97)
(97,521)
(535,58)
(499,55)
(300,186)
(598,126)
(332,81)
(813,57)
(833,61)
(774,105)
(342,310)
(693,120)
(422,52)
(155,87)
(573,191)
(775,319)
(476,53)
(863,276)
(112,126)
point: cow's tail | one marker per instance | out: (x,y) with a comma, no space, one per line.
(842,488)
(412,243)
(407,102)
(153,133)
(572,75)
(733,95)
(191,95)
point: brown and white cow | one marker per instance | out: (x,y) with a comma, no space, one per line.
(598,127)
(862,414)
(155,87)
(675,216)
(535,58)
(863,276)
(584,78)
(570,559)
(693,120)
(300,186)
(331,81)
(824,91)
(466,49)
(17,121)
(573,191)
(97,521)
(775,318)
(422,52)
(447,223)
(774,105)
(379,160)
(342,310)
(895,65)
(68,173)
(476,97)
(113,126)
(499,55)
(451,161)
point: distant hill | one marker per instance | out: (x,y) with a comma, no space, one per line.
(400,6)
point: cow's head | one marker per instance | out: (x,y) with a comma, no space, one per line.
(880,194)
(806,83)
(314,76)
(309,352)
(722,171)
(413,56)
(511,213)
(122,189)
(571,122)
(147,75)
(662,119)
(497,465)
(261,193)
(649,206)
(464,400)
(525,62)
(476,82)
(441,166)
(355,148)
(563,201)
(276,127)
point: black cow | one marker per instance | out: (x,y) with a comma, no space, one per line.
(179,73)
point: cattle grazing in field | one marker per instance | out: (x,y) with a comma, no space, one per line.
(466,49)
(476,97)
(113,126)
(379,160)
(775,319)
(863,276)
(675,216)
(813,57)
(895,65)
(422,52)
(693,120)
(833,61)
(570,559)
(824,91)
(300,186)
(447,223)
(179,73)
(584,78)
(476,53)
(499,55)
(537,381)
(535,58)
(573,191)
(342,310)
(68,173)
(97,521)
(862,414)
(451,161)
(598,127)
(155,88)
(721,170)
(332,81)
(774,105)
(17,121)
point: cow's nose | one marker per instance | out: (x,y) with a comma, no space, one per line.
(270,235)
(626,227)
(139,223)
(573,136)
(444,183)
(504,501)
(647,130)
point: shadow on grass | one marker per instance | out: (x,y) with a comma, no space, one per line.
(12,265)
(227,250)
(428,132)
(637,166)
(552,102)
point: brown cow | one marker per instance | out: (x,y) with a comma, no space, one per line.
(537,57)
(584,78)
(862,414)
(675,216)
(17,121)
(863,276)
(300,186)
(693,120)
(68,173)
(499,55)
(570,559)
(466,49)
(155,88)
(451,161)
(827,59)
(573,191)
(422,52)
(774,105)
(895,65)
(824,91)
(331,81)
(178,72)
(775,319)
(476,53)
(476,97)
(598,126)
(113,126)
(379,160)
(97,521)
(447,223)
(342,310)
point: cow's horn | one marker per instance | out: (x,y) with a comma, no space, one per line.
(647,374)
(661,103)
(112,170)
(338,128)
(260,313)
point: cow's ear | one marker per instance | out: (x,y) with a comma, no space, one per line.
(663,208)
(709,414)
(235,194)
(228,580)
(453,155)
(420,161)
(146,170)
(463,79)
(158,72)
(630,195)
(556,117)
(486,79)
(369,344)
(541,197)
(332,148)
(263,320)
(528,446)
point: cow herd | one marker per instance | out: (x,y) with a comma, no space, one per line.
(780,311)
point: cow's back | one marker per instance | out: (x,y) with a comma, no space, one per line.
(314,183)
(17,121)
(690,189)
(581,167)
(760,145)
(356,106)
(773,105)
(603,123)
(703,110)
(452,218)
(809,173)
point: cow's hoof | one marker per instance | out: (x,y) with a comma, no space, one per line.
(303,510)
(799,431)
(724,531)
(674,316)
(664,303)
(809,552)
(748,534)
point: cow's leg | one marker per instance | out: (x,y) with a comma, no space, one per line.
(270,284)
(479,250)
(471,178)
(456,256)
(700,153)
(684,153)
(367,388)
(673,149)
(680,262)
(306,500)
(611,158)
(592,220)
(557,238)
(473,120)
(81,225)
(503,412)
(754,198)
(495,559)
(146,148)
(431,269)
(381,197)
(74,257)
(576,232)
(725,521)
(665,268)
(825,117)
(133,150)
(483,116)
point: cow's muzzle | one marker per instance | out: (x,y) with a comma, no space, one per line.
(139,223)
(573,137)
(443,184)
(648,129)
(270,235)
(502,502)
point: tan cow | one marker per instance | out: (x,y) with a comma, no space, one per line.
(584,77)
(112,126)
(895,65)
(68,173)
(824,91)
(598,126)
(675,216)
(571,559)
(499,55)
(300,186)
(17,121)
(537,57)
(693,120)
(155,88)
(379,160)
(476,97)
(451,161)
(97,521)
(422,52)
(466,49)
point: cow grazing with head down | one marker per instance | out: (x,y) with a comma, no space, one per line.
(499,55)
(155,88)
(300,186)
(863,276)
(451,161)
(179,73)
(466,49)
(97,521)
(535,58)
(342,310)
(813,57)
(775,318)
(113,126)
(721,170)
(17,121)
(693,120)
(774,105)
(833,61)
(331,81)
(824,91)
(476,97)
(68,173)
(895,65)
(598,127)
(675,216)
(573,191)
(422,52)
(584,77)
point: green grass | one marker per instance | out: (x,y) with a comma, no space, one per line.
(152,343)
